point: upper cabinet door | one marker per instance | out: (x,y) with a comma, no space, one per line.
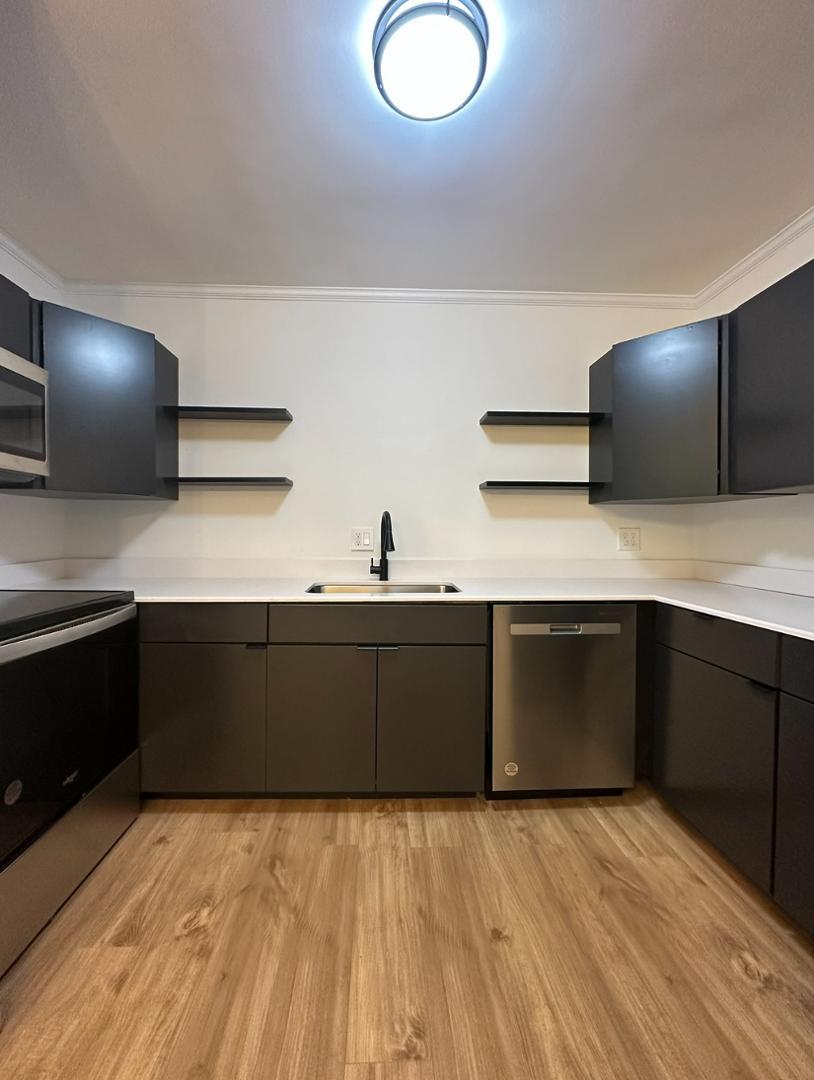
(102,404)
(665,415)
(772,388)
(15,319)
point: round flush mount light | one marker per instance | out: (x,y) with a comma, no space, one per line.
(429,59)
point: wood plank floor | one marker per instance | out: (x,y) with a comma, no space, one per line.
(411,940)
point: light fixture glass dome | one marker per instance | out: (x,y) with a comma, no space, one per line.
(430,59)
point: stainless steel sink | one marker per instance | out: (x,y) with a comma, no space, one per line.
(377,588)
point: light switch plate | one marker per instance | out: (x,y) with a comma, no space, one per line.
(361,538)
(629,539)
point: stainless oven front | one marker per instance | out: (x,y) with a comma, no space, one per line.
(23,416)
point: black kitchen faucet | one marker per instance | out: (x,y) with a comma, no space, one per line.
(386,544)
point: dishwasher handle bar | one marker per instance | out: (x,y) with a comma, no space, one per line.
(553,629)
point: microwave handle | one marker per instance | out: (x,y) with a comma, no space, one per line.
(64,635)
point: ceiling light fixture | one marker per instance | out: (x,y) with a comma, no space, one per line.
(429,59)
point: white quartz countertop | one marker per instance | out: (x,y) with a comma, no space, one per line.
(784,612)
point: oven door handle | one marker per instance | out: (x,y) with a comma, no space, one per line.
(65,634)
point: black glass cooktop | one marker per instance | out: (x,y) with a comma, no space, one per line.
(27,611)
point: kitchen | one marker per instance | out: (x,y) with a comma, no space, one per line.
(316,465)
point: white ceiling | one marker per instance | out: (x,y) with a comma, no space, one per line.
(617,145)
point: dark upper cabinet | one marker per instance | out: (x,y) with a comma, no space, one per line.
(112,408)
(714,756)
(772,387)
(656,415)
(15,319)
(719,409)
(431,719)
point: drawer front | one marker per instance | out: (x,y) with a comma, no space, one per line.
(747,650)
(378,624)
(241,623)
(797,667)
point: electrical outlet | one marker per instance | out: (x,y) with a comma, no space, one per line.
(361,538)
(629,539)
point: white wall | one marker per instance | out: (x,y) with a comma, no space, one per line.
(30,528)
(763,532)
(386,398)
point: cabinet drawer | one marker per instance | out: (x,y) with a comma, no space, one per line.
(797,667)
(747,650)
(203,622)
(378,624)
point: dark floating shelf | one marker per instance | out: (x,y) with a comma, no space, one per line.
(233,412)
(535,485)
(537,419)
(237,481)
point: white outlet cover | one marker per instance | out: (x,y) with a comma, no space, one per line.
(629,539)
(361,538)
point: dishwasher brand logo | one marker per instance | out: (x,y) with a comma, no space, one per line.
(511,768)
(13,792)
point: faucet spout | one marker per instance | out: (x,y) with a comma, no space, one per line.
(386,545)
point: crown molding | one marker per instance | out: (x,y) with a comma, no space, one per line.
(507,298)
(30,262)
(383,296)
(781,239)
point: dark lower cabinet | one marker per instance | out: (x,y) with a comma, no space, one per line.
(431,718)
(338,716)
(794,850)
(321,718)
(203,718)
(714,742)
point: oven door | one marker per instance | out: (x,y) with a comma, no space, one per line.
(69,716)
(23,416)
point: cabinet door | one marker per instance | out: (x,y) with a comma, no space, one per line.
(101,421)
(665,414)
(431,719)
(794,844)
(772,387)
(714,756)
(15,319)
(202,718)
(321,718)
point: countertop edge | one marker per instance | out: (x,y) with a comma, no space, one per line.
(495,596)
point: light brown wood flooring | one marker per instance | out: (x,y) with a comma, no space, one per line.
(411,940)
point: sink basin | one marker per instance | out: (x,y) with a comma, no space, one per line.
(383,587)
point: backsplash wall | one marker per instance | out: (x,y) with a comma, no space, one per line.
(386,398)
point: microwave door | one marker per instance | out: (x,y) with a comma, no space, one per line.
(23,411)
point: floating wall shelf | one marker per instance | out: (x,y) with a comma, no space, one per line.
(237,481)
(233,412)
(535,485)
(538,419)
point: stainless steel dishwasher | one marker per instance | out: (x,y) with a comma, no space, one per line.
(564,697)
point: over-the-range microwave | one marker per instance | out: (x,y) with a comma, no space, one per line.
(23,416)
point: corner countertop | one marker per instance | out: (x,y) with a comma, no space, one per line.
(786,613)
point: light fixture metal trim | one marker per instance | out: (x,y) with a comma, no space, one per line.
(468,13)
